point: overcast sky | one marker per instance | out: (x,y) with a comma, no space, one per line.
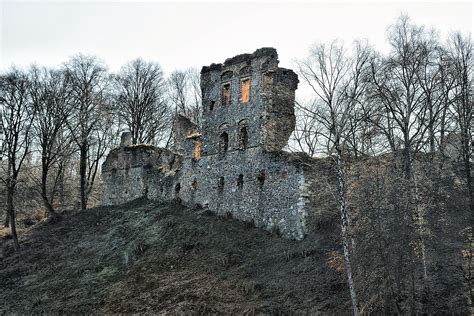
(192,34)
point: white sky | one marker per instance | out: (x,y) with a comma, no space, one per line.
(192,34)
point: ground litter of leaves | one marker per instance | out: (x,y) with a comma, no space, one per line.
(150,258)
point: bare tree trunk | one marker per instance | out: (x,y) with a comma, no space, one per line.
(467,167)
(11,214)
(6,222)
(407,156)
(82,172)
(61,185)
(431,132)
(421,231)
(44,183)
(345,229)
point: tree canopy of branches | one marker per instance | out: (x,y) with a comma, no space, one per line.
(140,98)
(184,92)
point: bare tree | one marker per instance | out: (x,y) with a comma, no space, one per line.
(140,98)
(306,137)
(460,50)
(49,95)
(89,83)
(184,93)
(101,140)
(336,81)
(194,95)
(16,115)
(407,87)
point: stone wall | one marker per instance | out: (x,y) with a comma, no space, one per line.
(132,172)
(251,185)
(270,189)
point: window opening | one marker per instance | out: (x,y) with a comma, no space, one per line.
(226,94)
(245,90)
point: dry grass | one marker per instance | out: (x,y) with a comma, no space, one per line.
(149,258)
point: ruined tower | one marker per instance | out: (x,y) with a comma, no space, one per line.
(247,102)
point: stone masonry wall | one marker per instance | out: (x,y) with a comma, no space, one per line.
(266,188)
(132,172)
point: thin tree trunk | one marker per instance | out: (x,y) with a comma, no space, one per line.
(6,222)
(61,183)
(407,158)
(442,132)
(44,191)
(467,168)
(82,172)
(421,231)
(11,214)
(345,230)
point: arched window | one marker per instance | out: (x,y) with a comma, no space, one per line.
(245,71)
(227,75)
(243,137)
(224,143)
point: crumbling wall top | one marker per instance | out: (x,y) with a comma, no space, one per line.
(142,155)
(261,52)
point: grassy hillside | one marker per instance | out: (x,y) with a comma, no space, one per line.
(145,257)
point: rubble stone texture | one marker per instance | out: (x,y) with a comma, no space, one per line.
(235,164)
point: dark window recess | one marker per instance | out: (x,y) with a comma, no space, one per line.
(240,181)
(226,93)
(268,80)
(261,177)
(224,143)
(220,185)
(177,188)
(243,138)
(211,105)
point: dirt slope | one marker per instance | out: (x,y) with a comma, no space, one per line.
(148,258)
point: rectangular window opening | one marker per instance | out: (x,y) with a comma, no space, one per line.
(197,150)
(245,90)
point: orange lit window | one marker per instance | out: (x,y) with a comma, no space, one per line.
(226,94)
(197,150)
(245,91)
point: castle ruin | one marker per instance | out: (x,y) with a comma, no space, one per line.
(234,164)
